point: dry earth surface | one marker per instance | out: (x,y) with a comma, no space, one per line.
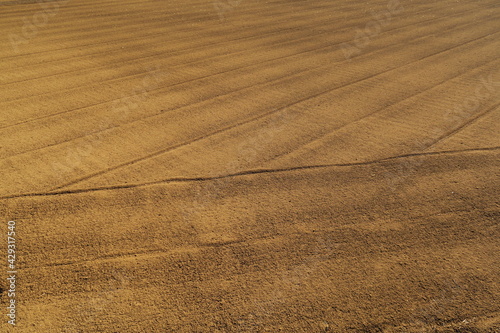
(251,165)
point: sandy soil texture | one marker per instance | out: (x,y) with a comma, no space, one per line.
(251,166)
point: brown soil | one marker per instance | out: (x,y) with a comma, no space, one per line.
(252,166)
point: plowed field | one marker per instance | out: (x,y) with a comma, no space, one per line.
(251,166)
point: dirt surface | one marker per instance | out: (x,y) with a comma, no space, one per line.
(251,166)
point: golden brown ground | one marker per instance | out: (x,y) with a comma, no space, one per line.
(180,166)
